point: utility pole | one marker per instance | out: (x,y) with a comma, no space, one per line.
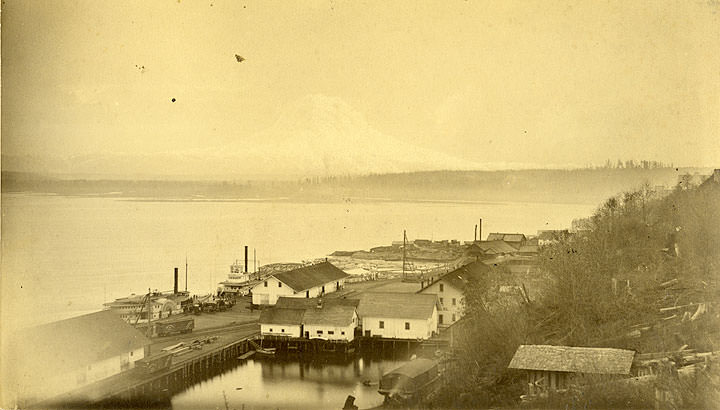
(404,253)
(254,261)
(186,270)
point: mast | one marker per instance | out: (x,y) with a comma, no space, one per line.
(149,309)
(186,270)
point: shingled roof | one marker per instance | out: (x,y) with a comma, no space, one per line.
(295,311)
(507,237)
(305,303)
(281,316)
(337,315)
(414,367)
(497,246)
(397,305)
(308,277)
(588,360)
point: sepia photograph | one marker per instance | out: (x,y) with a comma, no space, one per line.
(326,204)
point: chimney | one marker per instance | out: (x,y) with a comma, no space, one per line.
(480,230)
(175,285)
(246,259)
(475,240)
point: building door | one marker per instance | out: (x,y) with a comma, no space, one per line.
(367,333)
(307,335)
(440,319)
(307,294)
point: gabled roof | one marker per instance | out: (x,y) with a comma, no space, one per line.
(397,305)
(496,247)
(337,315)
(294,311)
(80,341)
(414,368)
(474,250)
(307,277)
(460,277)
(589,360)
(305,303)
(507,237)
(281,316)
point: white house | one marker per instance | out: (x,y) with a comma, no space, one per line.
(327,319)
(450,290)
(59,357)
(281,322)
(305,282)
(398,315)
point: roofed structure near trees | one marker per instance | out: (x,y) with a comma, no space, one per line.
(587,360)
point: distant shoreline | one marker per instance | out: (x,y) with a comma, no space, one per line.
(582,186)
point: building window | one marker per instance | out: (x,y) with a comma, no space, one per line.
(319,332)
(331,332)
(131,353)
(454,302)
(442,288)
(271,329)
(381,325)
(265,283)
(407,325)
(453,317)
(440,319)
(342,333)
(442,301)
(279,284)
(282,330)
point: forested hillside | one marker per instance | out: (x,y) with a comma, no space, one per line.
(624,281)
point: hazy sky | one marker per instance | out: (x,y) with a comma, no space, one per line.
(495,81)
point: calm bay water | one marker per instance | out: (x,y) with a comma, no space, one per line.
(63,256)
(274,384)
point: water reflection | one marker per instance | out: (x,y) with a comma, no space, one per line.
(290,384)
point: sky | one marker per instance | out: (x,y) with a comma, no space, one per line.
(529,83)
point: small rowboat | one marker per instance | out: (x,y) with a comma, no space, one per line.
(265,351)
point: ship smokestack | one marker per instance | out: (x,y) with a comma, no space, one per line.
(175,285)
(246,259)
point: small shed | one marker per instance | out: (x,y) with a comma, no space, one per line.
(550,368)
(410,379)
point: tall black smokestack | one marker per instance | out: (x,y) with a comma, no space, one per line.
(480,230)
(246,259)
(175,285)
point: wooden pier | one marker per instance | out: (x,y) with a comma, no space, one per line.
(136,388)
